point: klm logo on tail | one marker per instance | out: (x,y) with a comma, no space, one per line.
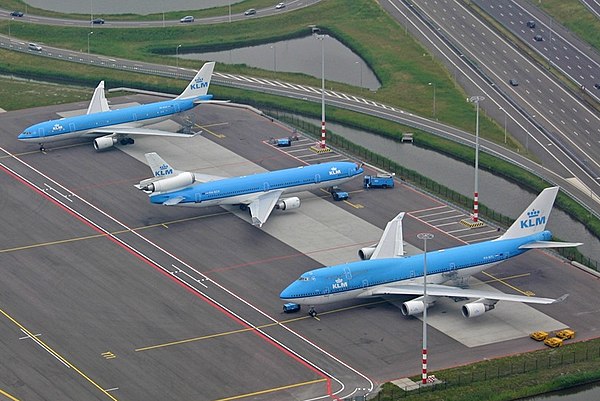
(199,84)
(163,171)
(533,219)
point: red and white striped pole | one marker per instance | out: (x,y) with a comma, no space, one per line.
(424,374)
(323,146)
(476,100)
(322,39)
(475,206)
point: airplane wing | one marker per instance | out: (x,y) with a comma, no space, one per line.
(391,243)
(262,206)
(436,290)
(137,131)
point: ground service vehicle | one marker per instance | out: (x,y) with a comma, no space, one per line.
(291,307)
(339,195)
(565,334)
(378,181)
(553,342)
(539,335)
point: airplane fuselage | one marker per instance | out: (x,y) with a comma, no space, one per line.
(239,190)
(88,124)
(359,279)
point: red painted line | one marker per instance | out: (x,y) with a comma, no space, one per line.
(145,260)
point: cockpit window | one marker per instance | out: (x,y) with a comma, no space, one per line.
(304,278)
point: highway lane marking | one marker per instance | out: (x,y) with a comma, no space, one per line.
(250,329)
(54,353)
(272,390)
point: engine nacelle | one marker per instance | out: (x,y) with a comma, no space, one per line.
(414,307)
(105,142)
(475,309)
(169,184)
(288,203)
(366,252)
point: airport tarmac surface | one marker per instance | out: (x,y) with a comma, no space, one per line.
(106,296)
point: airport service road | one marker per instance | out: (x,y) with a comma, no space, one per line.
(196,314)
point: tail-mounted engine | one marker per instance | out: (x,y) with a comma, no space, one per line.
(181,180)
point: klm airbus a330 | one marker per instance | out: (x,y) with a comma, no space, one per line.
(387,272)
(261,193)
(117,126)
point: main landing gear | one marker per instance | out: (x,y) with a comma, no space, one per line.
(127,141)
(42,148)
(312,312)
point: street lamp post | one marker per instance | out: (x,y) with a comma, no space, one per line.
(89,41)
(424,237)
(505,113)
(177,54)
(274,58)
(360,64)
(433,84)
(476,100)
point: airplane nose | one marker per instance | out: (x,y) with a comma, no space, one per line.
(286,293)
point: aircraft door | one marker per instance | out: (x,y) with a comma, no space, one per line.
(266,186)
(198,197)
(72,127)
(41,132)
(365,283)
(317,178)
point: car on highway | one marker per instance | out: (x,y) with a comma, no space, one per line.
(597,85)
(538,38)
(33,46)
(250,11)
(98,21)
(187,18)
(531,24)
(16,14)
(280,6)
(514,82)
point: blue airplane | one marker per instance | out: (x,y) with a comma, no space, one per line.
(385,271)
(260,193)
(116,126)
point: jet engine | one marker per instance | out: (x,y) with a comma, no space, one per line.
(105,142)
(288,203)
(366,252)
(475,309)
(168,184)
(416,306)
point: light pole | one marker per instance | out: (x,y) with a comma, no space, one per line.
(424,237)
(476,100)
(89,41)
(177,54)
(360,64)
(322,39)
(274,58)
(433,84)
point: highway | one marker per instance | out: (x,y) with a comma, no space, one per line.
(111,297)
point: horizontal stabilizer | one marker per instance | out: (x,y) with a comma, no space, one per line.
(200,101)
(173,201)
(549,244)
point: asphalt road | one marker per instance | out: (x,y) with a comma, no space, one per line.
(105,296)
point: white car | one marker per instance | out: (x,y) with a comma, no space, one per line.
(187,18)
(280,5)
(33,46)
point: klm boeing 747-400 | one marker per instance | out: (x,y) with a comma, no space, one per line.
(261,193)
(117,126)
(385,271)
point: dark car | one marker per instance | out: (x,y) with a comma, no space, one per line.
(538,38)
(597,85)
(98,21)
(514,82)
(16,14)
(531,24)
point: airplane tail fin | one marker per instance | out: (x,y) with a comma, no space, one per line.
(98,102)
(160,168)
(534,218)
(199,85)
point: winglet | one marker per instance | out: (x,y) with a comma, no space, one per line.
(98,102)
(561,298)
(199,85)
(534,218)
